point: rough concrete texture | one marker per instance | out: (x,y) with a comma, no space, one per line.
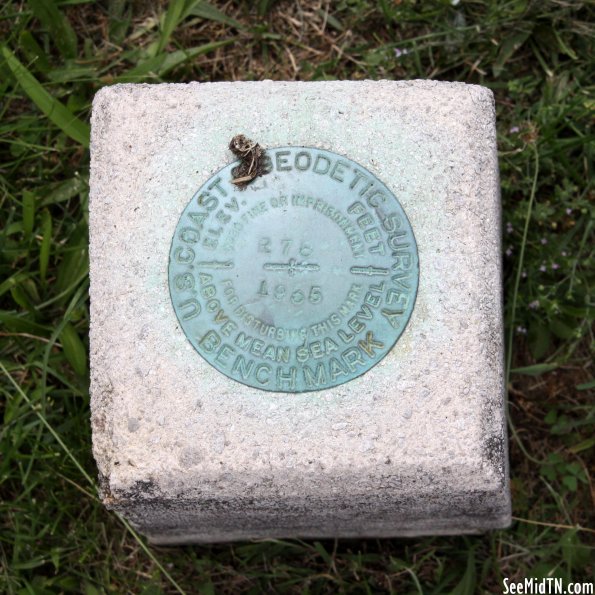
(417,445)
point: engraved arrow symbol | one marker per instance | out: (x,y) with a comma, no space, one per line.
(292,267)
(369,271)
(215,264)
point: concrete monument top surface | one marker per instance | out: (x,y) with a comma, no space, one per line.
(316,351)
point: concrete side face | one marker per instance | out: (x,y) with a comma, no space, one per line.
(417,445)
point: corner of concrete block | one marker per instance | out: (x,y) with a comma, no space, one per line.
(107,93)
(101,97)
(481,93)
(505,520)
(498,504)
(100,116)
(482,105)
(501,518)
(104,102)
(476,105)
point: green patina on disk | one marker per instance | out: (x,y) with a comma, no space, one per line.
(301,282)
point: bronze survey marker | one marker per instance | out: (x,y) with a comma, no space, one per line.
(301,282)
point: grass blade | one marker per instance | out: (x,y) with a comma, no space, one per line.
(207,11)
(119,20)
(60,115)
(12,281)
(32,51)
(28,212)
(57,24)
(74,350)
(18,323)
(46,243)
(176,13)
(507,48)
(535,370)
(63,191)
(264,7)
(160,65)
(467,584)
(586,385)
(515,294)
(74,265)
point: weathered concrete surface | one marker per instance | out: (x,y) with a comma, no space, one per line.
(417,445)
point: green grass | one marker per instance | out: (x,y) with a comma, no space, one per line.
(55,537)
